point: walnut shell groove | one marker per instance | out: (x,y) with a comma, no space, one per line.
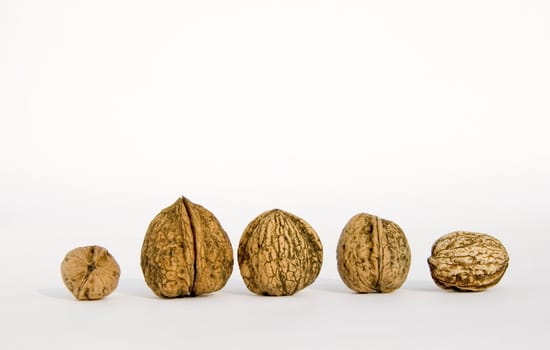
(467,261)
(90,272)
(279,254)
(186,252)
(373,255)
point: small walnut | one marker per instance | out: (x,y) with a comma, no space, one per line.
(373,255)
(90,273)
(279,254)
(467,261)
(186,252)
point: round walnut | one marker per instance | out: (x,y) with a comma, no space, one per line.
(373,255)
(186,252)
(279,254)
(90,273)
(467,261)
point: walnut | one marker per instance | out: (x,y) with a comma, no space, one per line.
(186,252)
(467,261)
(279,254)
(90,273)
(373,254)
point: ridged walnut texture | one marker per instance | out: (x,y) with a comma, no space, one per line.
(90,273)
(186,252)
(467,261)
(279,254)
(373,255)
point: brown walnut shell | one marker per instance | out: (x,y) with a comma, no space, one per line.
(90,273)
(467,261)
(279,254)
(373,255)
(186,252)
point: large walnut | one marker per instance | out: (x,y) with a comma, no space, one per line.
(279,254)
(373,255)
(186,252)
(90,273)
(467,261)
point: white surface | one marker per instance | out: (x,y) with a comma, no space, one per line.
(432,114)
(326,315)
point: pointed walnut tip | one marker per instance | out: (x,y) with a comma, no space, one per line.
(275,211)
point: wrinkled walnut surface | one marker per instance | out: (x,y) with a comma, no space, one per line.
(467,261)
(90,272)
(373,254)
(186,252)
(279,254)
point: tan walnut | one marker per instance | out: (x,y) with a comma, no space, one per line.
(186,252)
(467,261)
(90,273)
(279,254)
(373,255)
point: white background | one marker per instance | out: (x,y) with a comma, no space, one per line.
(434,114)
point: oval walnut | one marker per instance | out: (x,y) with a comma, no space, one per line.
(186,252)
(279,254)
(467,261)
(373,255)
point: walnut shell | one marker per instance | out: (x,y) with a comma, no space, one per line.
(186,252)
(373,255)
(467,261)
(279,254)
(90,273)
